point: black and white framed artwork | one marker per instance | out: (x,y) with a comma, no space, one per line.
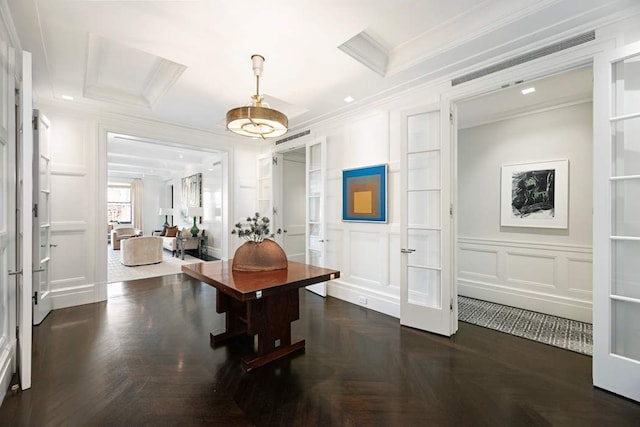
(535,195)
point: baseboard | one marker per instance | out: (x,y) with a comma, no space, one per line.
(69,297)
(6,368)
(383,303)
(542,303)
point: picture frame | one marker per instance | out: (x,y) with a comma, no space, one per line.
(364,194)
(535,194)
(191,194)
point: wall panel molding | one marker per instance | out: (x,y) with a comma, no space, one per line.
(548,278)
(387,303)
(59,227)
(64,169)
(73,295)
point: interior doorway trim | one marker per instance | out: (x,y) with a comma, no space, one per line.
(168,138)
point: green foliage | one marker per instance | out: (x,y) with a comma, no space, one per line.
(256,229)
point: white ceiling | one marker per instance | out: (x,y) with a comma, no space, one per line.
(560,89)
(130,157)
(188,61)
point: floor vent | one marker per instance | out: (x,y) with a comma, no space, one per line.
(297,135)
(530,56)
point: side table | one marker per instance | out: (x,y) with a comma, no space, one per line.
(181,241)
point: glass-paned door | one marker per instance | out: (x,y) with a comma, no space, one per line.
(269,193)
(316,173)
(265,200)
(426,300)
(42,245)
(616,245)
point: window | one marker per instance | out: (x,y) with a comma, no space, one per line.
(119,203)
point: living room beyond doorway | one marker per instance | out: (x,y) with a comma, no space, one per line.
(164,206)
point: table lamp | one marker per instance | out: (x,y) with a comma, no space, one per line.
(166,212)
(195,212)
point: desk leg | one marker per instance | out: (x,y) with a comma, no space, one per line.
(270,318)
(236,323)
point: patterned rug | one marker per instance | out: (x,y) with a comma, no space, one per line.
(169,265)
(556,331)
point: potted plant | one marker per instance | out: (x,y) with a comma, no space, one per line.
(259,252)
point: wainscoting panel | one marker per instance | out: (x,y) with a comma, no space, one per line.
(549,278)
(69,259)
(581,274)
(480,263)
(394,260)
(365,259)
(529,269)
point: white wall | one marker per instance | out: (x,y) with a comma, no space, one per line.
(212,204)
(152,193)
(74,153)
(546,270)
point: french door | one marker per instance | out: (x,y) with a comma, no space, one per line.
(269,173)
(41,218)
(24,226)
(616,219)
(272,193)
(316,154)
(7,215)
(427,292)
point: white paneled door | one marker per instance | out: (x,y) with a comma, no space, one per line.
(316,159)
(616,234)
(25,225)
(7,216)
(293,212)
(426,291)
(268,191)
(41,218)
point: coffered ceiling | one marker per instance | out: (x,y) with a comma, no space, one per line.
(130,157)
(188,61)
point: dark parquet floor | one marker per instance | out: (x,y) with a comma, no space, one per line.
(143,358)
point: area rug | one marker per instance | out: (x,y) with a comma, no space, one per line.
(556,331)
(169,265)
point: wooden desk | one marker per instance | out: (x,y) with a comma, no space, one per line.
(259,303)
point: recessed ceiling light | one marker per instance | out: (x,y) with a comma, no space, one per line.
(66,97)
(180,155)
(349,99)
(528,90)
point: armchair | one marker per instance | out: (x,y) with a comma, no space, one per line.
(123,233)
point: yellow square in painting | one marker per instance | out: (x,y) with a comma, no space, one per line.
(362,202)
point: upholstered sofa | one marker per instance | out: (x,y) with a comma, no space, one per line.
(123,233)
(141,251)
(170,243)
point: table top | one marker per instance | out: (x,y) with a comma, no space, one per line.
(247,285)
(190,238)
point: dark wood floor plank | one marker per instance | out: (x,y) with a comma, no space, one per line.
(144,358)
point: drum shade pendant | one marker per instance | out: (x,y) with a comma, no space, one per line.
(257,120)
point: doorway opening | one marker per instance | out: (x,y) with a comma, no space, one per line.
(293,216)
(145,180)
(502,256)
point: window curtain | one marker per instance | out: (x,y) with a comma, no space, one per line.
(136,202)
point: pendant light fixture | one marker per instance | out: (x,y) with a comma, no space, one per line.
(257,120)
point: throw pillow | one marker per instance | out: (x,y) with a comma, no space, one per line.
(172,231)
